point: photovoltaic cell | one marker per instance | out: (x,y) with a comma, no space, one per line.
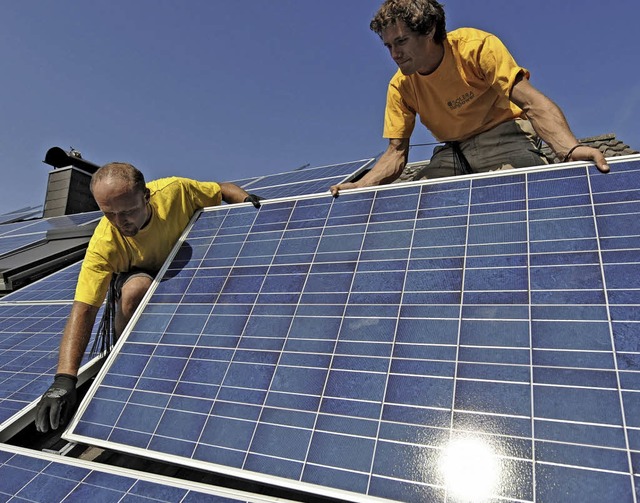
(303,181)
(406,343)
(42,478)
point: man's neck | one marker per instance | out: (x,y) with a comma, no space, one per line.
(149,215)
(435,50)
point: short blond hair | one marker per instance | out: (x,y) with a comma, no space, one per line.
(124,171)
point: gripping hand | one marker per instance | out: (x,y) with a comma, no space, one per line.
(253,199)
(57,404)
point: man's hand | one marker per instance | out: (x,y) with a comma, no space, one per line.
(387,169)
(551,125)
(253,199)
(584,153)
(335,189)
(57,404)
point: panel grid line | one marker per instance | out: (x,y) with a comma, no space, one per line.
(530,334)
(199,334)
(613,344)
(284,342)
(455,378)
(246,237)
(393,342)
(342,317)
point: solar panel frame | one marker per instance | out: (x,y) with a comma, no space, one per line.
(543,219)
(42,477)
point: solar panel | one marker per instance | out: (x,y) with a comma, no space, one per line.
(409,343)
(31,324)
(46,224)
(29,340)
(245,181)
(303,181)
(10,244)
(16,235)
(21,214)
(42,478)
(59,286)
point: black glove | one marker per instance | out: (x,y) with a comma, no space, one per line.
(253,199)
(57,404)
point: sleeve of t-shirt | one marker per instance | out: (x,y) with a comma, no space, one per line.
(93,280)
(100,261)
(204,194)
(498,65)
(399,117)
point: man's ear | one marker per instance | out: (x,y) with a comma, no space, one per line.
(432,33)
(147,194)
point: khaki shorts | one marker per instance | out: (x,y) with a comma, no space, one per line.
(122,278)
(106,335)
(512,144)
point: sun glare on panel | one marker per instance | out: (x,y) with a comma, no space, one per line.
(470,468)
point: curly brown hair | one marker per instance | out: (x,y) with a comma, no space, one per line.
(420,16)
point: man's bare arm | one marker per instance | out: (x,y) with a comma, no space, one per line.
(386,170)
(75,337)
(231,193)
(551,125)
(58,403)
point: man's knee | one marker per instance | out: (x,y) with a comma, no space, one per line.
(433,172)
(132,293)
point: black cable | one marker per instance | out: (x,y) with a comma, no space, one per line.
(106,335)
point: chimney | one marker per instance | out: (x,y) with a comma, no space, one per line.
(68,186)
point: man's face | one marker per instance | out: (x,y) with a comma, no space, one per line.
(410,50)
(123,206)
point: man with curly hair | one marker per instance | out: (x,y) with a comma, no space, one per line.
(469,92)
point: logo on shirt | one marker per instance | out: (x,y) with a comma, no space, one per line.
(461,100)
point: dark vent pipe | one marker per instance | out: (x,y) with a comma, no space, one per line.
(59,158)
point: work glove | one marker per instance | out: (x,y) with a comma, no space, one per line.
(253,199)
(57,404)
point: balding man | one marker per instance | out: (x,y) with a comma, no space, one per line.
(141,224)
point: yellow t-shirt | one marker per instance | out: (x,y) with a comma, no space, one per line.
(173,202)
(466,95)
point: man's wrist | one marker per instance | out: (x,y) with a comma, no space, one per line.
(70,377)
(253,199)
(567,156)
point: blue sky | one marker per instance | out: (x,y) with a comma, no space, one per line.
(222,90)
